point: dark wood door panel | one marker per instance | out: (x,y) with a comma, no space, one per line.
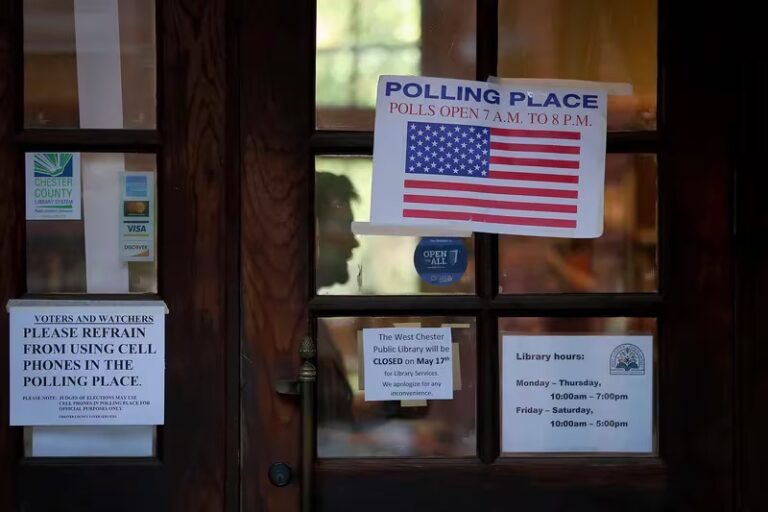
(66,486)
(194,252)
(751,235)
(189,472)
(697,343)
(533,485)
(275,124)
(11,237)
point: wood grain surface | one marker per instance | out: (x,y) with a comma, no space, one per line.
(276,52)
(193,244)
(11,237)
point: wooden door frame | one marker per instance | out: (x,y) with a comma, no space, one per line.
(201,41)
(751,244)
(276,39)
(196,466)
(697,468)
(11,235)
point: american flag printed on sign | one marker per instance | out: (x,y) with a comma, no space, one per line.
(512,177)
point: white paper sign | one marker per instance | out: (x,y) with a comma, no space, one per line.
(408,364)
(577,394)
(105,272)
(137,216)
(488,157)
(94,364)
(52,186)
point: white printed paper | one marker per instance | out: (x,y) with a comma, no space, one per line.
(105,272)
(87,364)
(52,186)
(99,72)
(488,157)
(100,103)
(406,363)
(137,216)
(92,441)
(577,394)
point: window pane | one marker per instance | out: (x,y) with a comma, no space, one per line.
(598,410)
(347,264)
(601,40)
(348,426)
(623,259)
(84,256)
(89,64)
(359,40)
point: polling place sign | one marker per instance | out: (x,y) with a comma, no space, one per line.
(489,157)
(87,362)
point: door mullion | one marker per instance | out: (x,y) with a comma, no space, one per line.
(486,267)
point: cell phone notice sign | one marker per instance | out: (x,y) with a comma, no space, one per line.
(87,363)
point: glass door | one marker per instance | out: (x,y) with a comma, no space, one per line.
(307,168)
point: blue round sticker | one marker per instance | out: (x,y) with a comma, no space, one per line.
(440,261)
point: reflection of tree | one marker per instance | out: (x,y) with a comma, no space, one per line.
(359,40)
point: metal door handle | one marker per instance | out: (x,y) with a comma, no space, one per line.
(304,387)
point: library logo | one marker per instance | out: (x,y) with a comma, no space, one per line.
(52,165)
(627,359)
